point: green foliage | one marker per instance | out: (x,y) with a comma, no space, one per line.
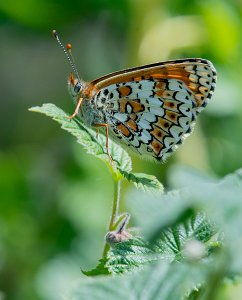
(160,281)
(188,240)
(189,260)
(136,252)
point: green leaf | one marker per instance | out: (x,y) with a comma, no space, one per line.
(132,254)
(100,269)
(87,138)
(161,281)
(221,203)
(136,252)
(121,166)
(170,270)
(180,236)
(144,181)
(173,242)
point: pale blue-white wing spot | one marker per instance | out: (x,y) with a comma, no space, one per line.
(148,118)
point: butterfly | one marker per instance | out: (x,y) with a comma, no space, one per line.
(149,109)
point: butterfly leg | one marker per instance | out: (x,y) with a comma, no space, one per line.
(97,132)
(106,129)
(76,109)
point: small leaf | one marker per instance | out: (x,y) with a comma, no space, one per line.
(144,181)
(100,269)
(87,138)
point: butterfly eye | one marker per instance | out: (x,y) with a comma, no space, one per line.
(77,87)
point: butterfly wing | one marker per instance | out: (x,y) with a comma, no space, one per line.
(152,108)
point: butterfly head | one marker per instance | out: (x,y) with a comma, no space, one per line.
(75,84)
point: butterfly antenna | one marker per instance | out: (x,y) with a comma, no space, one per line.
(67,51)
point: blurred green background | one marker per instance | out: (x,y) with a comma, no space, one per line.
(55,200)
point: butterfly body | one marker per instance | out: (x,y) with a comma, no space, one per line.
(150,109)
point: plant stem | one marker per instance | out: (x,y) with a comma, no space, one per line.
(115,209)
(112,223)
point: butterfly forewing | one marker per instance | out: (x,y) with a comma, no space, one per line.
(152,108)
